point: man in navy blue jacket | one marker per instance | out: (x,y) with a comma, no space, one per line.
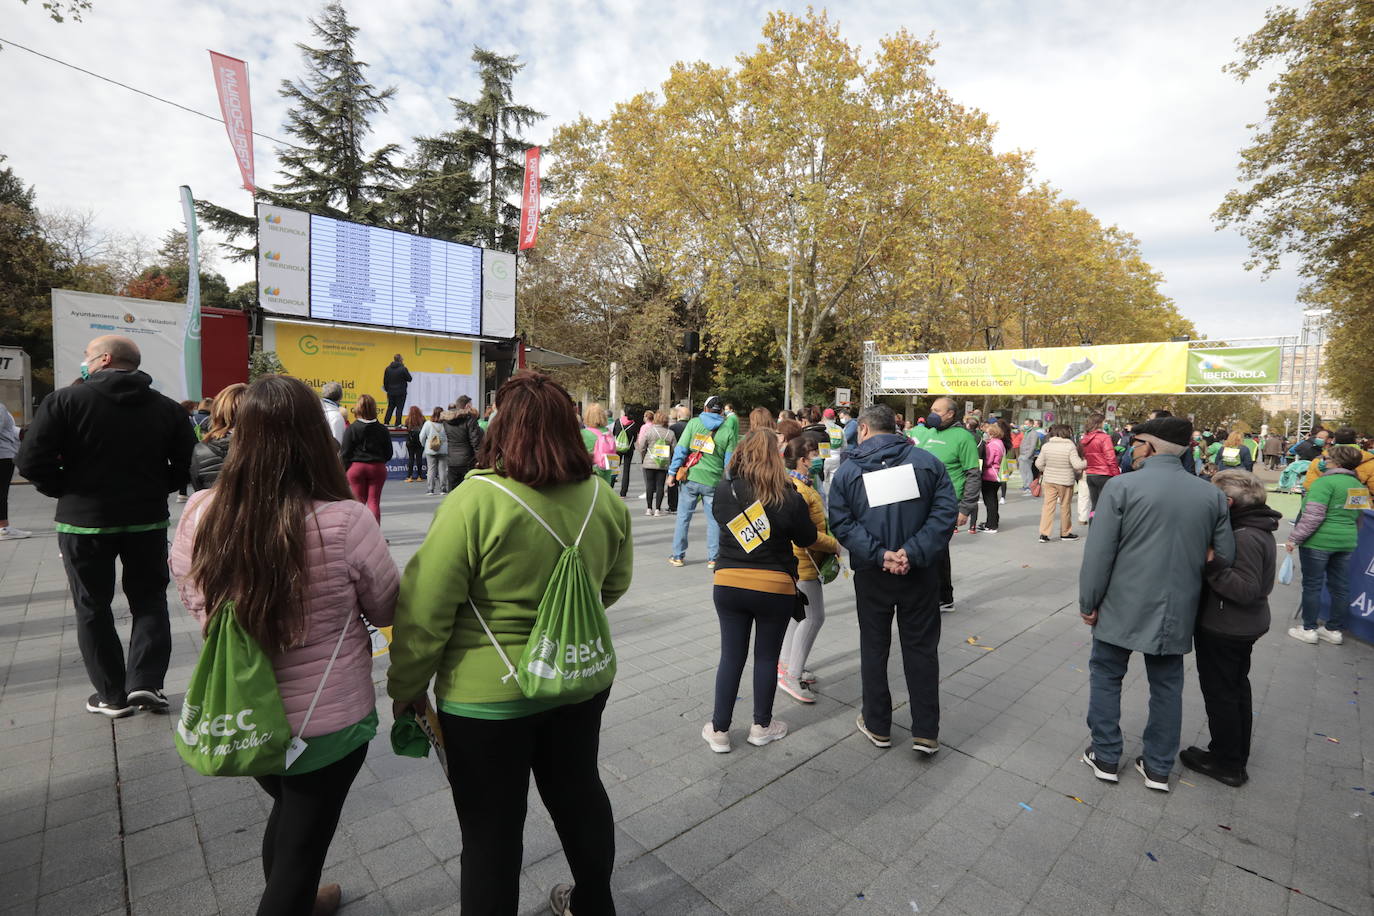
(893,507)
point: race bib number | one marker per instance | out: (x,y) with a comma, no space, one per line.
(1358,498)
(836,438)
(612,462)
(825,451)
(750,527)
(661,451)
(891,485)
(702,442)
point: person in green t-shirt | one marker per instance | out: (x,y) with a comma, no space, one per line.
(711,436)
(957,450)
(1325,536)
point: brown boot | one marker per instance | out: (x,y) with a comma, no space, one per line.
(327,900)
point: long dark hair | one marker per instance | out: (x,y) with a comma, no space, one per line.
(414,418)
(534,437)
(250,544)
(757,460)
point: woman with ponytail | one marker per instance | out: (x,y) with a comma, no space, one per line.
(761,516)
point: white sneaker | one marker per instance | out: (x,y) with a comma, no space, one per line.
(759,736)
(648,513)
(719,741)
(1332,636)
(11,533)
(947,608)
(1001,500)
(1302,635)
(796,690)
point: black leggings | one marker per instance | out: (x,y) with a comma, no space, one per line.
(992,489)
(305,814)
(1095,484)
(415,462)
(489,766)
(739,610)
(625,471)
(655,480)
(6,474)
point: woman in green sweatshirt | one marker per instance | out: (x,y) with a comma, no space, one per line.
(486,553)
(1325,536)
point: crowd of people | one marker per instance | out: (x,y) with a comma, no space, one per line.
(281,532)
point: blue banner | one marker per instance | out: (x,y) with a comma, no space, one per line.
(1361,621)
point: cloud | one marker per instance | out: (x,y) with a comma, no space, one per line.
(1124,105)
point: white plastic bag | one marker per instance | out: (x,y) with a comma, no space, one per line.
(1286,571)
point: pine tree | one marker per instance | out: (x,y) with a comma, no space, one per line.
(488,132)
(330,172)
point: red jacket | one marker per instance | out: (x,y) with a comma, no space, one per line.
(1100,453)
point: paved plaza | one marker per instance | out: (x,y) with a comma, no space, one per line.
(101,817)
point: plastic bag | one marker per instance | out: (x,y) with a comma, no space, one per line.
(1286,571)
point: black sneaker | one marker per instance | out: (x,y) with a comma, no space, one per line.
(1152,780)
(1103,771)
(99,706)
(1068,537)
(1200,761)
(1044,538)
(148,698)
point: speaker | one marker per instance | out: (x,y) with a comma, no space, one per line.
(691,342)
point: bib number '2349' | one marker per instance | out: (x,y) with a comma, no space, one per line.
(750,527)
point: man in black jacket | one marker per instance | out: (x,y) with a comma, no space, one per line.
(893,508)
(1234,613)
(683,415)
(110,451)
(395,382)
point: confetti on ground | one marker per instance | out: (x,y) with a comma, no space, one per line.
(1077,799)
(914,907)
(1187,783)
(1319,734)
(858,896)
(1358,788)
(1223,827)
(1026,806)
(1356,814)
(1333,740)
(972,640)
(1152,857)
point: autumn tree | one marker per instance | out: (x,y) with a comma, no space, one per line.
(1308,175)
(861,185)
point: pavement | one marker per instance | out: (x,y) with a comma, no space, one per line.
(101,816)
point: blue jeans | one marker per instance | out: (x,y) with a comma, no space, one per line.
(1324,568)
(1106,667)
(692,494)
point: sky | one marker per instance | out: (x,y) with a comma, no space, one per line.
(1123,104)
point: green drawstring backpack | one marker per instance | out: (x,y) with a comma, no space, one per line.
(569,656)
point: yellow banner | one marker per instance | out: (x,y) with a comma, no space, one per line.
(1147,368)
(441,366)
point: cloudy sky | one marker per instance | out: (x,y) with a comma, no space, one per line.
(1123,103)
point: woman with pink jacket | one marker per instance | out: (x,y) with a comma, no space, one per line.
(281,543)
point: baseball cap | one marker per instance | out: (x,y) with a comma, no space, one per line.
(715,403)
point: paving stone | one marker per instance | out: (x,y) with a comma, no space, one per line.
(802,826)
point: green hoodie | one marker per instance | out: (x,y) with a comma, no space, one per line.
(482,544)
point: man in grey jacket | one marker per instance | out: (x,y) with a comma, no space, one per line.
(1153,534)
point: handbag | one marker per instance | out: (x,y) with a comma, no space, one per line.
(692,459)
(828,571)
(1036,488)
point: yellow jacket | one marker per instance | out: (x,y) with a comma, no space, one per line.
(1365,472)
(825,541)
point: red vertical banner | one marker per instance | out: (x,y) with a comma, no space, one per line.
(529,201)
(231,82)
